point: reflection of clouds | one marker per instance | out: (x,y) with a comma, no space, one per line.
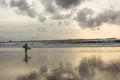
(31,76)
(62,72)
(93,68)
(12,65)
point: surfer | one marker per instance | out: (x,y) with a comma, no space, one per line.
(26,56)
(25,47)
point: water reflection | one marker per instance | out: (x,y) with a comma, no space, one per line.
(93,68)
(26,58)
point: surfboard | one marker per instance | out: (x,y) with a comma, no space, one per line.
(27,47)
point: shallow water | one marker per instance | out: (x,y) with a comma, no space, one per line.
(12,64)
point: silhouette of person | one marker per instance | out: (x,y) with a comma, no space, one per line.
(25,47)
(26,57)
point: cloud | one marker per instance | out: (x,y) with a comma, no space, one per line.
(86,20)
(3,3)
(66,23)
(23,7)
(61,16)
(48,4)
(82,18)
(42,18)
(54,11)
(68,3)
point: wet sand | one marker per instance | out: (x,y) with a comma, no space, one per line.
(12,64)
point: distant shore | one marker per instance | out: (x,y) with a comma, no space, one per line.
(109,42)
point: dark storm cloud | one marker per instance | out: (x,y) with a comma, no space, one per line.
(85,19)
(48,4)
(3,3)
(50,8)
(54,10)
(23,7)
(68,3)
(82,18)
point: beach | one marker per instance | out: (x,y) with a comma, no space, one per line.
(12,65)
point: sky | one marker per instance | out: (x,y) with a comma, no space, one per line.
(59,19)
